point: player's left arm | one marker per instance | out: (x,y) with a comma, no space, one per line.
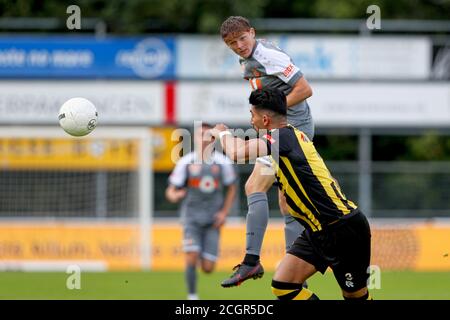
(237,149)
(301,90)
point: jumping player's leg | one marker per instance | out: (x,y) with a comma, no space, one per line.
(256,187)
(259,182)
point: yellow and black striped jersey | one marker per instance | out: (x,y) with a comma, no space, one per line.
(313,195)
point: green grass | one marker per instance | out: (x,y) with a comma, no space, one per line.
(170,285)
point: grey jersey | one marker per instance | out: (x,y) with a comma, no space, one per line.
(269,67)
(204,183)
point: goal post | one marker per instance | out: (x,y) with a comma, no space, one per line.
(75,200)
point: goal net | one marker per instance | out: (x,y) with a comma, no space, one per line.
(75,201)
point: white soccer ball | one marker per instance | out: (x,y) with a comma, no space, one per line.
(78,116)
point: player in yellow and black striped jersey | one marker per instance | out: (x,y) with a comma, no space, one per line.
(313,195)
(337,234)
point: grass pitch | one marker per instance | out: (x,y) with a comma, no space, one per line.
(404,285)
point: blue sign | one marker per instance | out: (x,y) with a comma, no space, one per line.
(87,57)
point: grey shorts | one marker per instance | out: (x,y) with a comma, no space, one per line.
(204,240)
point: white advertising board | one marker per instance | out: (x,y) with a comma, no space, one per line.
(205,57)
(213,102)
(343,104)
(117,102)
(318,57)
(380,104)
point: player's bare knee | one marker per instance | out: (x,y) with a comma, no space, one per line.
(208,266)
(208,269)
(258,183)
(252,185)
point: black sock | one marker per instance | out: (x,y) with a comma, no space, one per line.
(251,259)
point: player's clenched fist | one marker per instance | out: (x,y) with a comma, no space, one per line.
(218,129)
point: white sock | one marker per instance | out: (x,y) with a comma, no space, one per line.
(193,296)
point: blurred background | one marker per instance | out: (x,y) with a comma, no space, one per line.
(381,105)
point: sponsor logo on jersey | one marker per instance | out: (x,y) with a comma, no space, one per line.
(288,71)
(206,184)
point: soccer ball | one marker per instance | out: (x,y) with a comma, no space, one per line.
(78,116)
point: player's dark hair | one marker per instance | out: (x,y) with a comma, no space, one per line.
(269,99)
(234,24)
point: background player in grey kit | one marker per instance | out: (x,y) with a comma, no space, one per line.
(265,65)
(199,179)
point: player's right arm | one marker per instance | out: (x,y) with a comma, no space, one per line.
(174,195)
(238,149)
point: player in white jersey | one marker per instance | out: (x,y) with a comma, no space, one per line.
(199,179)
(265,65)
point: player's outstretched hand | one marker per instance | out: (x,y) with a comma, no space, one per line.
(180,194)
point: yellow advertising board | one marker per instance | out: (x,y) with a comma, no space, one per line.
(83,154)
(421,248)
(162,149)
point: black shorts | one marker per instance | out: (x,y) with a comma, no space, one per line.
(344,247)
